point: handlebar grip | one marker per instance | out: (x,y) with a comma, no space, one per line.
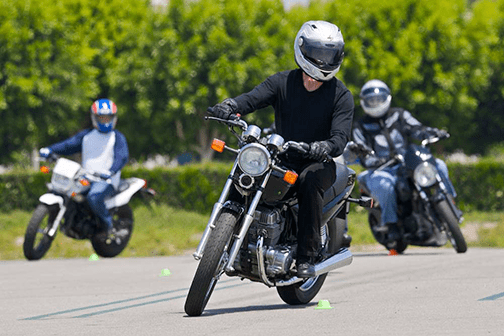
(304,146)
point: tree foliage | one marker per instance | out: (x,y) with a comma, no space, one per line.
(163,67)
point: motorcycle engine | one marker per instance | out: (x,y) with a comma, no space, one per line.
(268,224)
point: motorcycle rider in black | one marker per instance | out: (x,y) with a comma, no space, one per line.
(380,127)
(311,106)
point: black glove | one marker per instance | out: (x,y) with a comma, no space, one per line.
(225,109)
(319,151)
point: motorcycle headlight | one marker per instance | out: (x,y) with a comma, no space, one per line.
(254,159)
(60,182)
(425,174)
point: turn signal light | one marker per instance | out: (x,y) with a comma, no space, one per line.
(290,177)
(84,182)
(44,169)
(218,145)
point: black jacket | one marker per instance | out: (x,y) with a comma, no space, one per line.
(400,125)
(325,114)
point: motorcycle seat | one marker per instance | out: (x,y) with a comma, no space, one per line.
(339,185)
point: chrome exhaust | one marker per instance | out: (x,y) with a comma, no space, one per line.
(343,258)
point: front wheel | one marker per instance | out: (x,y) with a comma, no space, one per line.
(123,223)
(211,265)
(37,241)
(304,292)
(447,216)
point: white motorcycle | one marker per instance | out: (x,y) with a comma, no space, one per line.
(65,207)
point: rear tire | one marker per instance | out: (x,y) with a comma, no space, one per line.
(303,292)
(447,216)
(122,219)
(37,242)
(212,264)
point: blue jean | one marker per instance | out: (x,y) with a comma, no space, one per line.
(96,200)
(381,185)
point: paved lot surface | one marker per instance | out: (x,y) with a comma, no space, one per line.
(426,291)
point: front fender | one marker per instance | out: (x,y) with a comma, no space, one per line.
(51,199)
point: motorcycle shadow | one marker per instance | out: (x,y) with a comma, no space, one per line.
(212,312)
(405,254)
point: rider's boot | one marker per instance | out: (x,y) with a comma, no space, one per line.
(391,230)
(305,267)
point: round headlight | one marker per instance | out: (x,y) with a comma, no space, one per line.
(254,159)
(425,174)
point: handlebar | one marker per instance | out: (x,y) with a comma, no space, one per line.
(301,147)
(234,120)
(89,174)
(440,136)
(360,149)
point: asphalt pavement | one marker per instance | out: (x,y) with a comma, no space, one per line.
(426,291)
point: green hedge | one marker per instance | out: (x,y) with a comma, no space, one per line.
(480,186)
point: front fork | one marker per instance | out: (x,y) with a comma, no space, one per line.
(248,218)
(441,195)
(57,221)
(51,199)
(213,217)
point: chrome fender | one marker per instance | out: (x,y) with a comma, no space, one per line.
(51,199)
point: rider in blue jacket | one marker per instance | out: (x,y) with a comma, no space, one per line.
(381,126)
(104,150)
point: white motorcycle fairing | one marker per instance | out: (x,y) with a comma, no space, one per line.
(124,197)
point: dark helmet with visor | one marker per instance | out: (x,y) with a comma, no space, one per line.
(319,49)
(375,98)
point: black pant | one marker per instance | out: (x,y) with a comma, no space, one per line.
(314,179)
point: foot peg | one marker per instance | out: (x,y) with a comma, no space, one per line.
(363,201)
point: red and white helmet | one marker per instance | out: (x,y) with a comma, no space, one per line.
(104,115)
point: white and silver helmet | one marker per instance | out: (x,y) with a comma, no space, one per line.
(375,98)
(318,49)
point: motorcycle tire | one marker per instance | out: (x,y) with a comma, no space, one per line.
(398,245)
(447,216)
(303,292)
(36,241)
(122,219)
(211,265)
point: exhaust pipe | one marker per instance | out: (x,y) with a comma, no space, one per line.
(343,258)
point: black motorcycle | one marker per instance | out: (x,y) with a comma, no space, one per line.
(255,237)
(427,213)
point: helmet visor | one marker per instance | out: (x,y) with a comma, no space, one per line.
(324,56)
(374,97)
(105,118)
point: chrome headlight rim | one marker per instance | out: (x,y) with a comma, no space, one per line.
(425,175)
(258,150)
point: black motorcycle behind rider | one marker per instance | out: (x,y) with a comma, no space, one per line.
(386,132)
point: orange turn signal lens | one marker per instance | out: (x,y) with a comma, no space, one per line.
(84,182)
(44,169)
(290,177)
(218,145)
